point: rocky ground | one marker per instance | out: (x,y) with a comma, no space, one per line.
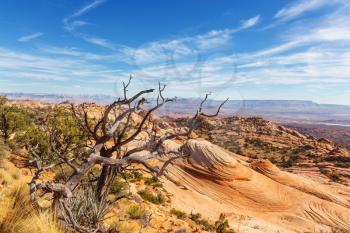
(262,176)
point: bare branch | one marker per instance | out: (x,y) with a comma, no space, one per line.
(217,111)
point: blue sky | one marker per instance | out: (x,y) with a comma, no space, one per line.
(252,49)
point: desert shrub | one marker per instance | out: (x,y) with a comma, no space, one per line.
(284,151)
(13,119)
(335,178)
(342,164)
(267,149)
(195,217)
(178,213)
(291,161)
(131,176)
(119,186)
(231,145)
(206,225)
(149,196)
(137,176)
(272,160)
(311,155)
(222,226)
(63,173)
(154,182)
(86,209)
(323,171)
(4,150)
(136,211)
(257,142)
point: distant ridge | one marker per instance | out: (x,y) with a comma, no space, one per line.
(295,111)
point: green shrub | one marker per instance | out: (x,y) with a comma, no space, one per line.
(154,182)
(195,217)
(136,211)
(149,196)
(206,225)
(63,173)
(222,226)
(291,161)
(342,164)
(272,160)
(137,176)
(119,186)
(336,178)
(323,171)
(86,209)
(178,213)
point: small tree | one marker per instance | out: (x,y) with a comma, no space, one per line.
(12,119)
(112,141)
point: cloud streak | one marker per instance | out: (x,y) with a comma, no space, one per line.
(71,23)
(189,47)
(250,22)
(30,37)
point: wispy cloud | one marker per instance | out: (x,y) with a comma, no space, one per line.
(314,52)
(87,8)
(74,52)
(98,41)
(183,47)
(14,64)
(29,37)
(301,7)
(71,23)
(250,22)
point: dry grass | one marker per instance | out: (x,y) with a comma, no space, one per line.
(17,215)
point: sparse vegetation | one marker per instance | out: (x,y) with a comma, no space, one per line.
(17,214)
(87,209)
(178,213)
(154,182)
(291,161)
(136,211)
(342,164)
(119,186)
(335,178)
(222,226)
(147,195)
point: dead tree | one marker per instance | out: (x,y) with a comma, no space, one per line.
(110,138)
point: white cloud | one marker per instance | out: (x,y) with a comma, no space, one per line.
(250,22)
(300,7)
(29,37)
(74,52)
(185,47)
(314,52)
(98,41)
(15,64)
(70,23)
(87,8)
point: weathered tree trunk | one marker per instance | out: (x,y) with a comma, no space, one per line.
(105,181)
